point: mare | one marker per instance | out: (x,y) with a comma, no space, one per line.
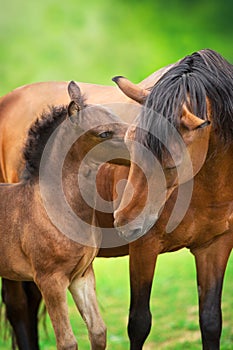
(21,107)
(190,105)
(33,247)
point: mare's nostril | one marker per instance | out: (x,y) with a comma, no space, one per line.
(119,222)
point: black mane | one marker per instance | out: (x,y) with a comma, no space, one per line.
(38,135)
(203,74)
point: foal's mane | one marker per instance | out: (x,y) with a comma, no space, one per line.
(38,135)
(203,74)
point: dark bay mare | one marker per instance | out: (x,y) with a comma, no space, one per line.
(33,248)
(18,109)
(187,124)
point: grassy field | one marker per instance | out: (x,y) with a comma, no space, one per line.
(93,41)
(173,304)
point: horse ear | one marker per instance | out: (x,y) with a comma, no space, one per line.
(192,122)
(75,92)
(130,89)
(73,109)
(76,103)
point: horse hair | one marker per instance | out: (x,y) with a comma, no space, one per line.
(37,137)
(203,74)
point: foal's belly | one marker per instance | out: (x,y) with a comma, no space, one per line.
(13,264)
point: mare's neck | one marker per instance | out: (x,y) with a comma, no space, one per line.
(216,174)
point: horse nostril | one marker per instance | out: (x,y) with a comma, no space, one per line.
(122,223)
(119,220)
(115,223)
(118,223)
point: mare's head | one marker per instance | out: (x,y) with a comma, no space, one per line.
(75,130)
(190,104)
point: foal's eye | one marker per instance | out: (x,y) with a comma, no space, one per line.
(105,134)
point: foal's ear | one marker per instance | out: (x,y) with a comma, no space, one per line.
(192,122)
(73,109)
(76,103)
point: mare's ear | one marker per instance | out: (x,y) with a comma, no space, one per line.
(131,90)
(76,103)
(192,122)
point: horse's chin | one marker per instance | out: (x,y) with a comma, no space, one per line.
(131,234)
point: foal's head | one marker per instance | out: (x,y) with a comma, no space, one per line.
(101,132)
(63,151)
(78,130)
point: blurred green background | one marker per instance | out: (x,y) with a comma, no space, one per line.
(92,41)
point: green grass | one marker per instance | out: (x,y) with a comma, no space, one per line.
(173,304)
(93,40)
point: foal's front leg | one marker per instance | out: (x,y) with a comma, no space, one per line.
(53,289)
(211,263)
(84,295)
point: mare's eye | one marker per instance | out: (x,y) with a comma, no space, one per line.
(105,134)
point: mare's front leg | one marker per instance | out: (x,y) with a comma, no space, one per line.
(84,294)
(22,302)
(53,289)
(142,263)
(211,263)
(33,302)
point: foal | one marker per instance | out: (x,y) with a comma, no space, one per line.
(33,246)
